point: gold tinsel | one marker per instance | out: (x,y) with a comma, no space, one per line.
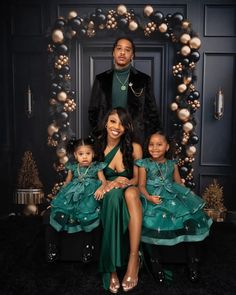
(213,196)
(28,173)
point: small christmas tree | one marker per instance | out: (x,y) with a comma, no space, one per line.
(213,196)
(28,175)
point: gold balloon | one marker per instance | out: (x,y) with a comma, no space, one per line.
(185,38)
(52,128)
(185,24)
(133,25)
(72,14)
(163,28)
(195,43)
(187,127)
(62,96)
(64,160)
(148,10)
(183,114)
(121,9)
(30,210)
(57,36)
(191,150)
(182,88)
(61,152)
(185,50)
(174,106)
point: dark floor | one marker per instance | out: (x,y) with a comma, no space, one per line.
(23,269)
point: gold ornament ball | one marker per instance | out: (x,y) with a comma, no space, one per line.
(72,14)
(182,88)
(148,10)
(185,38)
(191,150)
(52,128)
(133,25)
(57,36)
(185,50)
(64,160)
(163,28)
(61,152)
(62,96)
(121,9)
(195,43)
(185,24)
(188,126)
(174,106)
(30,210)
(183,114)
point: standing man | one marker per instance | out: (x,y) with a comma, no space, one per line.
(125,86)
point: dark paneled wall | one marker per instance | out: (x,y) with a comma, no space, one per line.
(24,33)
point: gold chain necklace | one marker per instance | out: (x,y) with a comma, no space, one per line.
(123,86)
(81,176)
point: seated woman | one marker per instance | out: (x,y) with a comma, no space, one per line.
(121,211)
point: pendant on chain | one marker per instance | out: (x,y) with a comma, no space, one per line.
(123,87)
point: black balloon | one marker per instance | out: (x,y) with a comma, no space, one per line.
(179,77)
(193,139)
(75,23)
(64,116)
(177,18)
(101,19)
(56,136)
(183,171)
(195,56)
(122,22)
(59,23)
(55,88)
(185,61)
(157,17)
(62,49)
(65,69)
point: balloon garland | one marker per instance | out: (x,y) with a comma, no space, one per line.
(172,27)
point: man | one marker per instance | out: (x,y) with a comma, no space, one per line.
(125,86)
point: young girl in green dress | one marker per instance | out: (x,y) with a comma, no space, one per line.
(76,207)
(172,213)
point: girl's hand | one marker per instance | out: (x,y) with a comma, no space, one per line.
(98,195)
(155,199)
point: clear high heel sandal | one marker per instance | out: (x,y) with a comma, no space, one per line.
(129,282)
(114,284)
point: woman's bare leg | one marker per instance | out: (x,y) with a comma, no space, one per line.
(135,210)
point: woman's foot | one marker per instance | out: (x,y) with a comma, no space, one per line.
(130,280)
(114,283)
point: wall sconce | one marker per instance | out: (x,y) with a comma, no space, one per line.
(219,105)
(29,103)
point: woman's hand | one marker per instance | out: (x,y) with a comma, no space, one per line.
(122,181)
(155,199)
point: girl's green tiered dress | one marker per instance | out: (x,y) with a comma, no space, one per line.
(179,217)
(74,208)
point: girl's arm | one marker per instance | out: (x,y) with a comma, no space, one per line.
(176,175)
(142,187)
(68,177)
(100,191)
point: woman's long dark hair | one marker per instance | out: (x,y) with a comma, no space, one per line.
(126,140)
